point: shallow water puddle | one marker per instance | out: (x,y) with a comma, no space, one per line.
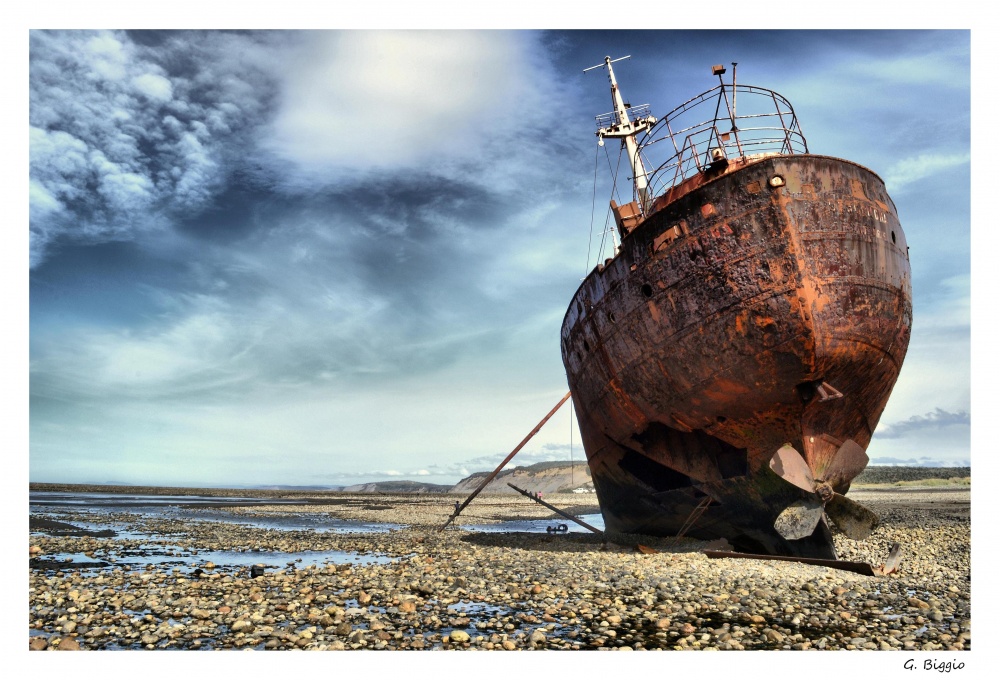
(297,521)
(293,522)
(479,609)
(298,560)
(187,560)
(595,520)
(111,500)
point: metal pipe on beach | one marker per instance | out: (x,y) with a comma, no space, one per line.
(553,508)
(492,475)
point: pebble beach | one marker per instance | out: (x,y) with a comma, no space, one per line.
(461,589)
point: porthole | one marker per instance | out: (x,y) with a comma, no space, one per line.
(893,236)
(646,290)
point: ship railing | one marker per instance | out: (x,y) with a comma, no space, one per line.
(708,128)
(610,119)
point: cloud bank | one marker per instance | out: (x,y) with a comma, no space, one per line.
(935,420)
(127,136)
(290,254)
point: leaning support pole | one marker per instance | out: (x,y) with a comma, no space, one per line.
(555,509)
(506,460)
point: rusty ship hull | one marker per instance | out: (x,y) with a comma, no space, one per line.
(763,304)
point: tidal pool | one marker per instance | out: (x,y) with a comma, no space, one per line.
(595,520)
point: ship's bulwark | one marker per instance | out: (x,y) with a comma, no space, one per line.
(697,352)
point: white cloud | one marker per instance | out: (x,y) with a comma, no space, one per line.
(125,191)
(195,174)
(41,200)
(935,65)
(154,86)
(916,168)
(185,354)
(57,159)
(364,99)
(105,55)
(935,420)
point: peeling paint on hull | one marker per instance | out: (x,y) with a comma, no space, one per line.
(696,352)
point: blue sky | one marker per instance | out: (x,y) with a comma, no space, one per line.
(327,257)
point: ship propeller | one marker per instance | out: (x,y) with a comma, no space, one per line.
(799,519)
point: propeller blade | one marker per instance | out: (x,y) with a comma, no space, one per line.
(799,519)
(791,467)
(855,520)
(846,464)
(818,449)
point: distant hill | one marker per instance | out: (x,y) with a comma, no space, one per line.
(551,477)
(400,486)
(556,477)
(565,477)
(292,487)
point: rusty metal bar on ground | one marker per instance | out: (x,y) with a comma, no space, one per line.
(506,460)
(857,567)
(555,509)
(693,517)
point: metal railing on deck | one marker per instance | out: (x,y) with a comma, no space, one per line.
(606,120)
(681,144)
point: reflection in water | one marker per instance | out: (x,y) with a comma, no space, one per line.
(186,560)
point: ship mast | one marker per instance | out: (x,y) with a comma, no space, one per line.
(621,127)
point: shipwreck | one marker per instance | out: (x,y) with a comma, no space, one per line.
(729,364)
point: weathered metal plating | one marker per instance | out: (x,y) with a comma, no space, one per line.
(757,304)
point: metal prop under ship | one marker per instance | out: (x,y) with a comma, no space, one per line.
(734,356)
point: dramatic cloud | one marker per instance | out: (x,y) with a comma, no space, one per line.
(349,280)
(935,420)
(126,136)
(287,256)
